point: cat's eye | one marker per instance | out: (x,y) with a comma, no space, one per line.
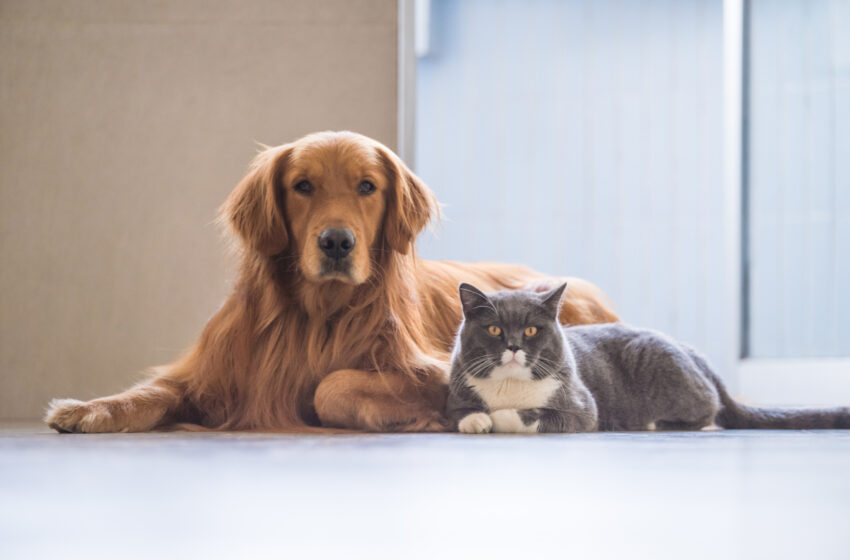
(530,331)
(494,330)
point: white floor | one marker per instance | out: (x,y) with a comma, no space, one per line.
(715,495)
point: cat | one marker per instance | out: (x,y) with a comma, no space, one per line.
(516,369)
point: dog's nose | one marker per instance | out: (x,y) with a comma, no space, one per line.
(336,242)
(513,349)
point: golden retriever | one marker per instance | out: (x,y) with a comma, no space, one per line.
(333,321)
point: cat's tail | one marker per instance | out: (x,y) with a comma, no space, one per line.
(736,416)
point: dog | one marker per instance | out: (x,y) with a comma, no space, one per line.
(333,323)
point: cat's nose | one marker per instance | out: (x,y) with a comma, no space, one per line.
(513,349)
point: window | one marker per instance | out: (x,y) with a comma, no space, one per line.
(798,179)
(589,139)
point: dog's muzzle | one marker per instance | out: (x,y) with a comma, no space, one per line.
(336,244)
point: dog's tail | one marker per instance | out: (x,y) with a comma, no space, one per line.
(736,416)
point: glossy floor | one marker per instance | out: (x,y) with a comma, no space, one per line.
(709,494)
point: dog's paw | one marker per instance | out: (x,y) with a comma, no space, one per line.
(508,421)
(475,423)
(436,423)
(424,421)
(73,416)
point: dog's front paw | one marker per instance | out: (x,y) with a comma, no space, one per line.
(73,416)
(508,421)
(436,423)
(475,423)
(424,421)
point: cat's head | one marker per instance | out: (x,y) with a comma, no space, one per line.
(511,333)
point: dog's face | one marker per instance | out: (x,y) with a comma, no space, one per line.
(335,195)
(332,199)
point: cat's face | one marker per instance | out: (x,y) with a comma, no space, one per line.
(511,334)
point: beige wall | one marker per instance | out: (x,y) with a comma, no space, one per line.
(124,125)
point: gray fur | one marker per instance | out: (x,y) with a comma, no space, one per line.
(611,376)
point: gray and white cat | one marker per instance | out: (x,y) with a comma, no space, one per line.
(516,369)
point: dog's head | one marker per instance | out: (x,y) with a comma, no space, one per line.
(331,199)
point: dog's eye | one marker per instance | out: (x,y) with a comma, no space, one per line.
(530,331)
(304,187)
(494,330)
(366,187)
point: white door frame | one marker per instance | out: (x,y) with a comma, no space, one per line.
(733,162)
(781,381)
(406,72)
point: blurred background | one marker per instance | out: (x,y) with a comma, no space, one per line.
(691,157)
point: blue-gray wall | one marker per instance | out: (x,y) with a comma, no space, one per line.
(584,138)
(800,178)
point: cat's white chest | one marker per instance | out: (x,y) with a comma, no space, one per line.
(511,392)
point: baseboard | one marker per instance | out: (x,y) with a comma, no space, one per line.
(795,382)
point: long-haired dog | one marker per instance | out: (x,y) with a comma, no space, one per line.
(333,321)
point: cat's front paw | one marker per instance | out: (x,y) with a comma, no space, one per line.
(508,421)
(475,423)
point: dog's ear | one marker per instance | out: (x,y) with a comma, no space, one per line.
(410,203)
(254,210)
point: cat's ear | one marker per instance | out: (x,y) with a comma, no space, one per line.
(471,298)
(552,299)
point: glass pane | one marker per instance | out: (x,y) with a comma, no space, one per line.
(583,138)
(799,179)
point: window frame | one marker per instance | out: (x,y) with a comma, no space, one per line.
(798,381)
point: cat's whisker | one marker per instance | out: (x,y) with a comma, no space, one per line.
(479,365)
(551,363)
(478,369)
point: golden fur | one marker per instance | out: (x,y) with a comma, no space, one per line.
(294,348)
